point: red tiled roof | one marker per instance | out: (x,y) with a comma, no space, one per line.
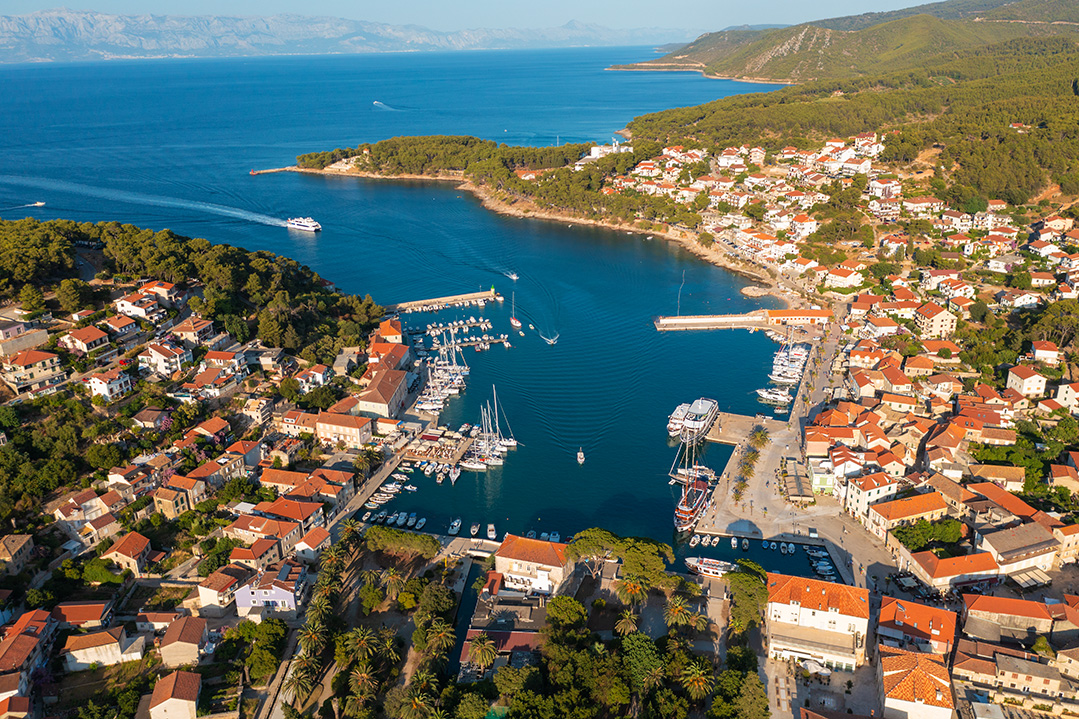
(188,630)
(536,551)
(938,568)
(1005,605)
(915,677)
(918,620)
(131,545)
(908,507)
(815,594)
(178,685)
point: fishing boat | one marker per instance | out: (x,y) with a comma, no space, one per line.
(366,516)
(745,545)
(531,534)
(734,542)
(455,526)
(491,533)
(513,314)
(699,419)
(380,516)
(420,523)
(708,567)
(402,519)
(580,455)
(677,419)
(306,224)
(694,540)
(411,521)
(475,529)
(556,537)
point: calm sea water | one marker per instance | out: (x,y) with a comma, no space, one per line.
(169,144)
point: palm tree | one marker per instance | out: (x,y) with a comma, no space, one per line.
(653,678)
(313,638)
(677,613)
(482,651)
(393,581)
(697,681)
(362,680)
(331,555)
(387,645)
(630,591)
(423,681)
(419,705)
(699,622)
(440,637)
(370,576)
(360,643)
(318,608)
(306,664)
(299,685)
(626,624)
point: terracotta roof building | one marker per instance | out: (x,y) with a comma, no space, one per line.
(532,565)
(915,684)
(927,627)
(822,621)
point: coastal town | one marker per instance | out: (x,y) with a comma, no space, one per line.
(216,466)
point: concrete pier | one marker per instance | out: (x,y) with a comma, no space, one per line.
(736,428)
(442,302)
(751,320)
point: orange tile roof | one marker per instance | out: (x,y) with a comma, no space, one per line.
(1004,498)
(918,620)
(77,642)
(188,630)
(536,551)
(1006,605)
(909,507)
(178,685)
(815,594)
(132,545)
(915,677)
(937,568)
(315,537)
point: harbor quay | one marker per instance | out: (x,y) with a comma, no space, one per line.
(443,302)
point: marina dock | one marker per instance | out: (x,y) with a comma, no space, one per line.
(751,320)
(438,303)
(736,428)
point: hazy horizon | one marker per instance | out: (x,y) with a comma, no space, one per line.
(697,15)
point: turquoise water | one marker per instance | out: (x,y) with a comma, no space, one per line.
(169,144)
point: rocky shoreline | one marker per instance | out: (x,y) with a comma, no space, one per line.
(764,284)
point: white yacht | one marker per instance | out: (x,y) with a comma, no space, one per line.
(303,223)
(677,419)
(580,455)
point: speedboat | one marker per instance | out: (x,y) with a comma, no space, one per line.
(694,540)
(580,455)
(708,567)
(491,533)
(475,529)
(734,542)
(303,223)
(455,526)
(420,522)
(410,488)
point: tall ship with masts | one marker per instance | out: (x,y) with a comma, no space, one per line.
(694,482)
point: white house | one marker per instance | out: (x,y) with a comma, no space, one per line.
(532,565)
(176,696)
(111,646)
(164,359)
(822,621)
(1026,381)
(110,385)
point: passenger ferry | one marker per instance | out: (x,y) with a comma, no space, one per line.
(677,419)
(708,567)
(303,223)
(699,419)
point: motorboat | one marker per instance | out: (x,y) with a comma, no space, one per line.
(420,523)
(306,224)
(677,419)
(402,519)
(580,455)
(545,536)
(708,567)
(694,540)
(410,488)
(491,533)
(440,478)
(791,548)
(745,545)
(765,543)
(380,517)
(366,516)
(774,396)
(782,548)
(392,519)
(411,521)
(531,534)
(371,505)
(429,470)
(556,537)
(772,546)
(475,529)
(734,542)
(399,477)
(455,526)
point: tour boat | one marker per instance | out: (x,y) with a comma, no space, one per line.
(513,314)
(475,529)
(420,522)
(691,505)
(699,419)
(694,540)
(455,526)
(734,542)
(303,223)
(580,455)
(677,419)
(708,567)
(491,533)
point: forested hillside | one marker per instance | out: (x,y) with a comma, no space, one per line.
(967,102)
(873,43)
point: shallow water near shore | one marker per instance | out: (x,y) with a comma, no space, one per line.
(169,144)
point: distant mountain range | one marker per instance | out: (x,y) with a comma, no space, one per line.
(871,43)
(69,35)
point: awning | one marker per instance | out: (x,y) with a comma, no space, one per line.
(1031,578)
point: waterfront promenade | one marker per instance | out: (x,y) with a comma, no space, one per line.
(750,320)
(443,302)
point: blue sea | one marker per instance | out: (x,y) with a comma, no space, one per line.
(169,143)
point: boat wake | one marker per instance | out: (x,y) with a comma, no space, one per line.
(383,106)
(550,340)
(19,207)
(137,198)
(512,275)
